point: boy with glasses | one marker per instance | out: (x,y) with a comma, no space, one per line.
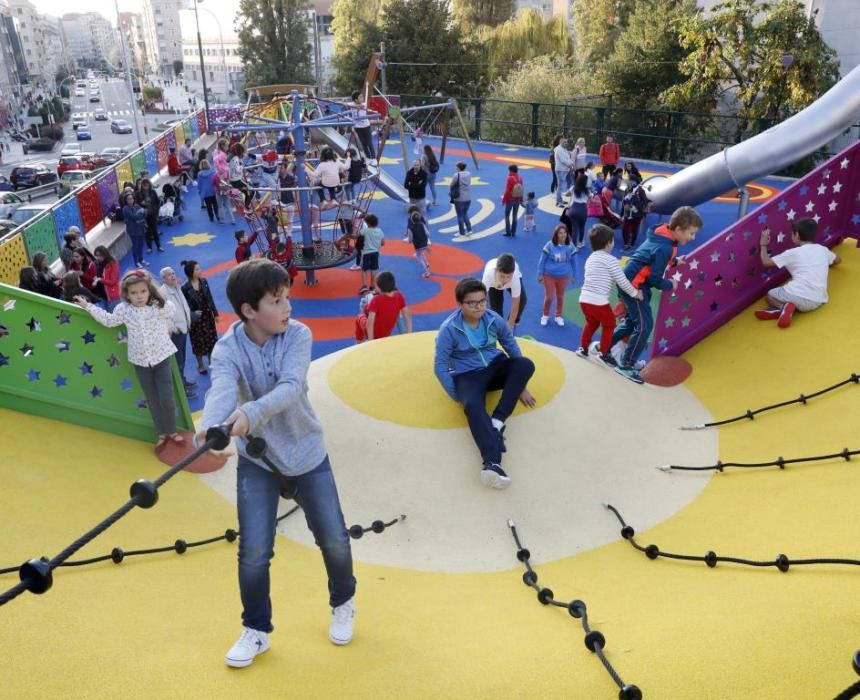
(468,364)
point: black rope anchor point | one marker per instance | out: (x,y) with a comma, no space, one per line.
(780,462)
(711,558)
(852,691)
(594,640)
(36,575)
(750,414)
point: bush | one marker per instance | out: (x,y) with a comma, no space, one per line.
(54,132)
(152,93)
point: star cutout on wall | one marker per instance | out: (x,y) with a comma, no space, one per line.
(762,218)
(33,375)
(715,257)
(803,190)
(126,384)
(685,322)
(832,206)
(816,218)
(59,381)
(732,256)
(810,205)
(63,346)
(688,284)
(113,361)
(791,214)
(122,337)
(714,306)
(89,337)
(191,239)
(26,350)
(753,250)
(826,174)
(34,325)
(676,276)
(86,368)
(822,188)
(670,322)
(837,187)
(855,219)
(780,237)
(3,331)
(663,343)
(9,305)
(96,393)
(64,318)
(4,359)
(141,403)
(782,205)
(702,277)
(694,264)
(718,281)
(843,164)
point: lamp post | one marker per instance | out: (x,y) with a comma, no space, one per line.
(202,68)
(223,54)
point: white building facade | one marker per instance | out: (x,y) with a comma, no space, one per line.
(162,35)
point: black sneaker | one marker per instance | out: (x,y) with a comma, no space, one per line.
(581,352)
(606,360)
(494,476)
(630,373)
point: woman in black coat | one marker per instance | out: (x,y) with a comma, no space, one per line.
(148,198)
(204,314)
(416,185)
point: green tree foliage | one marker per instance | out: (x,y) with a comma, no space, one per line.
(357,33)
(599,24)
(273,41)
(470,14)
(768,58)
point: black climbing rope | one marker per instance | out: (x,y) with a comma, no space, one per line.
(595,642)
(780,462)
(750,414)
(711,558)
(377,526)
(852,691)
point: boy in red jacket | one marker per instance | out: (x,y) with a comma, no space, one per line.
(610,155)
(243,245)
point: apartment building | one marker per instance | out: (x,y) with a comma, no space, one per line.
(162,35)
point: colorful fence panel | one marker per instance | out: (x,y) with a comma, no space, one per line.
(66,215)
(39,236)
(201,122)
(725,275)
(13,256)
(153,161)
(179,133)
(171,140)
(57,362)
(90,206)
(109,192)
(194,125)
(138,164)
(124,173)
(161,151)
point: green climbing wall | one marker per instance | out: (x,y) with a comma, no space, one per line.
(57,362)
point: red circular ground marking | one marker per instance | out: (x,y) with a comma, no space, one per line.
(758,193)
(666,371)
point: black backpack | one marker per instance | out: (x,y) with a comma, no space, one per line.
(635,203)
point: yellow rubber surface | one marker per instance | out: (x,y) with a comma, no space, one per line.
(158,627)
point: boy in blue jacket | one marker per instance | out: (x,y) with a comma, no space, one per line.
(645,270)
(468,364)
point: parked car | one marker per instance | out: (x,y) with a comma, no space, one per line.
(71,149)
(79,119)
(75,162)
(71,179)
(112,154)
(42,143)
(79,92)
(9,202)
(7,225)
(84,133)
(100,115)
(28,211)
(95,97)
(24,176)
(5,185)
(120,126)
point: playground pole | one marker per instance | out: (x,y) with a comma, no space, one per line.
(305,196)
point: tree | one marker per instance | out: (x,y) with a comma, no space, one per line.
(178,67)
(599,24)
(769,59)
(470,14)
(357,31)
(273,41)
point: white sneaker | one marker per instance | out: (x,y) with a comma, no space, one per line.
(544,320)
(342,621)
(594,348)
(559,321)
(639,365)
(250,643)
(617,352)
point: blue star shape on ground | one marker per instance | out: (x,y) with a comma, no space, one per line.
(64,318)
(126,384)
(4,359)
(803,190)
(33,375)
(60,380)
(855,219)
(63,346)
(86,368)
(33,325)
(762,218)
(782,205)
(96,393)
(26,350)
(89,337)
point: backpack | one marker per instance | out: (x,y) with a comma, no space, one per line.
(635,203)
(517,190)
(434,166)
(455,187)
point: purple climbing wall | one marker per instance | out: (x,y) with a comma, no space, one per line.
(725,275)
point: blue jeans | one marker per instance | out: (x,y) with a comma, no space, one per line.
(511,375)
(462,209)
(512,207)
(561,176)
(431,183)
(137,249)
(578,215)
(258,492)
(636,326)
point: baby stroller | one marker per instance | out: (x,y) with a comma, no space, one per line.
(170,210)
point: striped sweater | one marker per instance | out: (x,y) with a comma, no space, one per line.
(601,270)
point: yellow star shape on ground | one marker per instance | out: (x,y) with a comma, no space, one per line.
(191,239)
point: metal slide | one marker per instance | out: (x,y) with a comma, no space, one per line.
(338,142)
(763,154)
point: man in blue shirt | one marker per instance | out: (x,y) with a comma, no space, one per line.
(468,364)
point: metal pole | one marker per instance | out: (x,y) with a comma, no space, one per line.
(744,202)
(202,69)
(128,75)
(382,78)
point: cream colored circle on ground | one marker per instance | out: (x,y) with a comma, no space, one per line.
(599,439)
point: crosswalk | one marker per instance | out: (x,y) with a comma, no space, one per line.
(110,113)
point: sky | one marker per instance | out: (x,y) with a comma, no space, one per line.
(105,8)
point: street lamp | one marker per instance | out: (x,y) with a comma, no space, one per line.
(202,68)
(223,54)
